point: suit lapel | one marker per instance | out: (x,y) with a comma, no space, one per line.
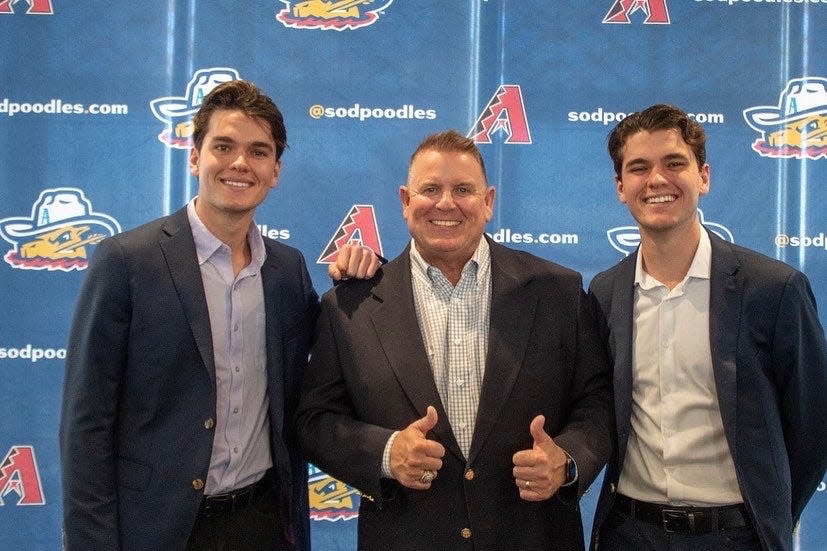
(396,327)
(621,320)
(724,320)
(512,314)
(178,248)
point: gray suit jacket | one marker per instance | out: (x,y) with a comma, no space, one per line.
(369,375)
(138,411)
(770,366)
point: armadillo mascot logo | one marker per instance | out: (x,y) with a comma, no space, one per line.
(57,234)
(359,228)
(19,475)
(656,12)
(797,126)
(326,15)
(176,112)
(330,499)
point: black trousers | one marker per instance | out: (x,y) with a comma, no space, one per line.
(255,526)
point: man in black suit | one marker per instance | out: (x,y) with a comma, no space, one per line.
(463,389)
(720,365)
(185,358)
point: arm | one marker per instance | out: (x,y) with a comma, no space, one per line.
(799,356)
(587,436)
(331,434)
(96,356)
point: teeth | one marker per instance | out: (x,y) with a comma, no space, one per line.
(235,184)
(445,222)
(661,199)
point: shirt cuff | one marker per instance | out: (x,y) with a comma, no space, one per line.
(386,457)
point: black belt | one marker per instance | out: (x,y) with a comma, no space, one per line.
(687,520)
(237,499)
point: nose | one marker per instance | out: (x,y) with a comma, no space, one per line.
(446,200)
(240,162)
(656,177)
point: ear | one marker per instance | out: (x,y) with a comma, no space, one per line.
(194,162)
(621,195)
(276,174)
(490,193)
(404,199)
(705,180)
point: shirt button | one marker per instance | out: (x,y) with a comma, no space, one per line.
(469,474)
(237,369)
(197,484)
(235,410)
(465,533)
(235,450)
(209,423)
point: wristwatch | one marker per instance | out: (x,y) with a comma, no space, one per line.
(571,471)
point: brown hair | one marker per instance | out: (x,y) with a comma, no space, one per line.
(244,96)
(657,117)
(450,141)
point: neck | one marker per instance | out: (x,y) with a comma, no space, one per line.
(668,256)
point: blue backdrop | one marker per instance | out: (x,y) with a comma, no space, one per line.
(95,106)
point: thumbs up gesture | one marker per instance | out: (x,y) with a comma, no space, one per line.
(415,460)
(540,471)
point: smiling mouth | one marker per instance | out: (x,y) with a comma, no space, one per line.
(660,199)
(236,183)
(446,223)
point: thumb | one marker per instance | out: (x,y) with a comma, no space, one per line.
(538,433)
(428,422)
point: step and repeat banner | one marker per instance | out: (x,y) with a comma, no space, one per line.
(96,102)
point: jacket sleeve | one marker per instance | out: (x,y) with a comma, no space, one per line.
(800,369)
(95,359)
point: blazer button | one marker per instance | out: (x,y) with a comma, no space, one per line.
(465,533)
(469,474)
(209,423)
(197,484)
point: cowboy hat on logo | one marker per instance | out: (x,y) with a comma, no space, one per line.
(802,98)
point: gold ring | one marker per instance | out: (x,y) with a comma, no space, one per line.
(427,477)
(527,484)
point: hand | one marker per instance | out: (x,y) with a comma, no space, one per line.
(354,261)
(540,471)
(412,454)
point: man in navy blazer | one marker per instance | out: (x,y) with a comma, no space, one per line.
(459,388)
(185,359)
(720,366)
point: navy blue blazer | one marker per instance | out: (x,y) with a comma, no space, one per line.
(369,375)
(136,429)
(770,367)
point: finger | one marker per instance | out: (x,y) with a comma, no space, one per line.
(537,431)
(428,422)
(371,263)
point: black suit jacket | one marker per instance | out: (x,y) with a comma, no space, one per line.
(770,366)
(136,429)
(369,375)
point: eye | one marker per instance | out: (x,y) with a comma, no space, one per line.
(463,191)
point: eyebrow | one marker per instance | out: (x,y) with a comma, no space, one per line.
(669,157)
(229,140)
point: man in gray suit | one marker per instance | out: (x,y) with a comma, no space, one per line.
(185,358)
(463,389)
(720,365)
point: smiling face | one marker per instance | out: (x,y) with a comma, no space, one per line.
(660,181)
(236,167)
(446,204)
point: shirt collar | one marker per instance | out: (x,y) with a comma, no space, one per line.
(480,258)
(206,244)
(700,268)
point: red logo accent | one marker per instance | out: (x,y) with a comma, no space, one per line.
(359,228)
(504,113)
(36,7)
(18,474)
(655,10)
